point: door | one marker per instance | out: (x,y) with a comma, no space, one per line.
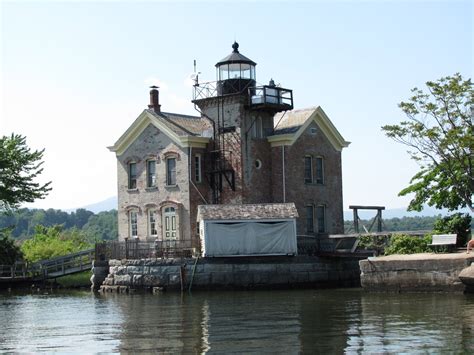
(169,225)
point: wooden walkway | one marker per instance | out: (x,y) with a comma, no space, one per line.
(48,269)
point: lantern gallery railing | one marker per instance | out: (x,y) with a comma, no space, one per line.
(271,96)
(205,90)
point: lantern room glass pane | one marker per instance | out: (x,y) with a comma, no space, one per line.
(224,72)
(252,72)
(245,71)
(234,71)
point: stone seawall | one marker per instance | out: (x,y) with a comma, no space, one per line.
(417,272)
(231,273)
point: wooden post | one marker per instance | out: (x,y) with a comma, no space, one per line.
(379,220)
(356,221)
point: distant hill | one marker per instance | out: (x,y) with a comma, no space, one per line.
(105,205)
(401,212)
(111,204)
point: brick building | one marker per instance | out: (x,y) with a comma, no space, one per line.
(246,146)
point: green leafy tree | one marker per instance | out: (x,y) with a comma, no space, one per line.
(457,223)
(9,251)
(49,242)
(439,133)
(19,168)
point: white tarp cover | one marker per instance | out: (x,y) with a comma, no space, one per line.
(249,238)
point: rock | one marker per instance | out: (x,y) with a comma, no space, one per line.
(467,275)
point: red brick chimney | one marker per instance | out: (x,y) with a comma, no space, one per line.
(154,99)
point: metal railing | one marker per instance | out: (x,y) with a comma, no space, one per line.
(137,249)
(270,95)
(205,90)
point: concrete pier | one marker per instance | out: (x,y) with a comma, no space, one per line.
(416,272)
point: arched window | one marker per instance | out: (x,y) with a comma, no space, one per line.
(152,222)
(308,169)
(132,175)
(170,171)
(133,223)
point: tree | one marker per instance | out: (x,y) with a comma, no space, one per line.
(9,251)
(439,133)
(19,167)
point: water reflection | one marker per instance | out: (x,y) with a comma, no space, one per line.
(297,321)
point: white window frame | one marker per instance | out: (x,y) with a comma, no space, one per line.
(318,227)
(197,168)
(133,223)
(319,176)
(150,179)
(152,224)
(308,181)
(129,173)
(170,173)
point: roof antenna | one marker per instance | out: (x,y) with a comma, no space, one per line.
(195,75)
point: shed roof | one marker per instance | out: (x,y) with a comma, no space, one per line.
(247,211)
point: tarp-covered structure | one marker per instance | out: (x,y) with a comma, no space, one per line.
(249,229)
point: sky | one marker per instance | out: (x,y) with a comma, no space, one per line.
(75,75)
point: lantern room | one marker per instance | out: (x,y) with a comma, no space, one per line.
(235,73)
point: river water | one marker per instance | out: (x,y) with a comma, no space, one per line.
(290,322)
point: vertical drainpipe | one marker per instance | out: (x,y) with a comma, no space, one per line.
(283,171)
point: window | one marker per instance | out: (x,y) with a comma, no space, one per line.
(321,218)
(319,171)
(133,221)
(132,175)
(171,171)
(258,128)
(310,218)
(152,222)
(197,168)
(151,173)
(308,169)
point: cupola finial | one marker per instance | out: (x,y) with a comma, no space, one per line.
(235,46)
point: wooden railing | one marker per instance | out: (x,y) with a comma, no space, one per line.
(17,270)
(63,265)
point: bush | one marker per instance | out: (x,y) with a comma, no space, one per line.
(457,223)
(49,242)
(405,244)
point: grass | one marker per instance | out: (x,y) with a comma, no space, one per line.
(81,279)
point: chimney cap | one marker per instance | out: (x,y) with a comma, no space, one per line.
(154,87)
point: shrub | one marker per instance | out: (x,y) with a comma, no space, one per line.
(49,242)
(457,223)
(405,244)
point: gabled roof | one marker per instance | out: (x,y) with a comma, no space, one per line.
(290,125)
(247,211)
(183,130)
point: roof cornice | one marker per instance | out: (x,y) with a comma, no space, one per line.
(142,122)
(322,120)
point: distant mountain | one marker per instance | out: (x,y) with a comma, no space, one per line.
(111,204)
(400,212)
(105,205)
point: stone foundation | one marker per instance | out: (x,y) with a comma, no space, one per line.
(417,272)
(230,273)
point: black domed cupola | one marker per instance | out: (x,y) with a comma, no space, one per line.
(235,73)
